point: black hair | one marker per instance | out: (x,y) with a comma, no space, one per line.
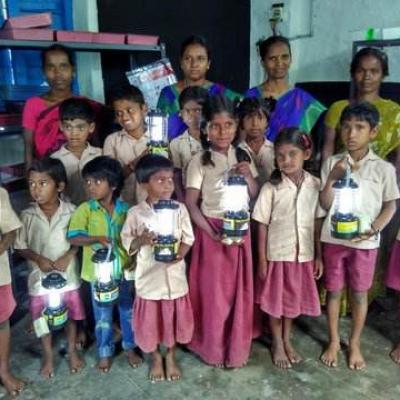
(105,168)
(129,93)
(361,111)
(195,39)
(194,93)
(251,106)
(76,108)
(149,165)
(373,52)
(58,48)
(293,136)
(263,46)
(52,167)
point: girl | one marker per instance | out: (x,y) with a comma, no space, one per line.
(220,276)
(163,314)
(289,253)
(253,114)
(42,241)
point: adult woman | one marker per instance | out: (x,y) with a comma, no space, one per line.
(195,61)
(291,106)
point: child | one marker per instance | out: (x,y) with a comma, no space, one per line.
(42,241)
(352,263)
(77,122)
(253,117)
(185,146)
(287,263)
(95,224)
(130,143)
(220,276)
(9,224)
(163,313)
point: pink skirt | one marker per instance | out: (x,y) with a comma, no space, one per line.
(221,291)
(393,271)
(164,322)
(289,290)
(7,303)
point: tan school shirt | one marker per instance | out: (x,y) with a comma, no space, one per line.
(289,213)
(183,149)
(264,160)
(377,183)
(125,148)
(210,180)
(75,190)
(155,280)
(48,239)
(8,222)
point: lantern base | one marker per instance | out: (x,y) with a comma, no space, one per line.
(159,148)
(345,226)
(56,317)
(106,294)
(235,226)
(166,249)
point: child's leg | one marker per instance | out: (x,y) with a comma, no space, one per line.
(330,356)
(173,372)
(125,317)
(47,369)
(157,372)
(359,308)
(279,356)
(395,354)
(293,356)
(75,363)
(13,385)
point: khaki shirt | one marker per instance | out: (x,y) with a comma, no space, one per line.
(125,148)
(8,222)
(377,184)
(155,280)
(48,239)
(289,213)
(182,149)
(264,160)
(75,190)
(210,180)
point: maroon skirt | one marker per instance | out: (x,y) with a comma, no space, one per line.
(7,303)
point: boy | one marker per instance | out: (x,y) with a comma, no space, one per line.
(352,263)
(130,143)
(77,122)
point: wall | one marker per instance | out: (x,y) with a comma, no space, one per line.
(325,55)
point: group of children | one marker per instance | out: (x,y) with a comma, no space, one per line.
(88,198)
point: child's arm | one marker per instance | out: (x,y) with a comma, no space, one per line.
(179,191)
(262,264)
(243,168)
(130,167)
(318,263)
(61,264)
(44,264)
(7,240)
(89,240)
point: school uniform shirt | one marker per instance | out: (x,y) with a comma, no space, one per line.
(91,219)
(125,148)
(377,183)
(182,149)
(289,212)
(264,160)
(75,190)
(8,222)
(156,280)
(48,239)
(210,180)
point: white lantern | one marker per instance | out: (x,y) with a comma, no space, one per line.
(157,125)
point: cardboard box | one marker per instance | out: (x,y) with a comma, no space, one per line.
(142,39)
(29,21)
(27,34)
(74,36)
(110,38)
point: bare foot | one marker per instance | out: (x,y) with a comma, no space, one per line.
(104,365)
(157,372)
(293,356)
(13,385)
(395,354)
(219,366)
(173,371)
(356,359)
(279,357)
(134,359)
(47,369)
(75,363)
(330,356)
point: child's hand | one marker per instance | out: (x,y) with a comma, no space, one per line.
(318,268)
(243,168)
(147,238)
(178,258)
(44,264)
(262,268)
(103,240)
(61,264)
(215,236)
(339,168)
(363,236)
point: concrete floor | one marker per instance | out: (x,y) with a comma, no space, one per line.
(258,380)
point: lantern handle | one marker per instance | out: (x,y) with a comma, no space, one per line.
(109,252)
(348,173)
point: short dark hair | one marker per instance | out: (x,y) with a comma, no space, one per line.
(367,52)
(251,106)
(58,48)
(105,168)
(52,167)
(192,40)
(194,93)
(264,45)
(129,93)
(75,108)
(149,165)
(361,111)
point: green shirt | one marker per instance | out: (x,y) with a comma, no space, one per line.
(91,219)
